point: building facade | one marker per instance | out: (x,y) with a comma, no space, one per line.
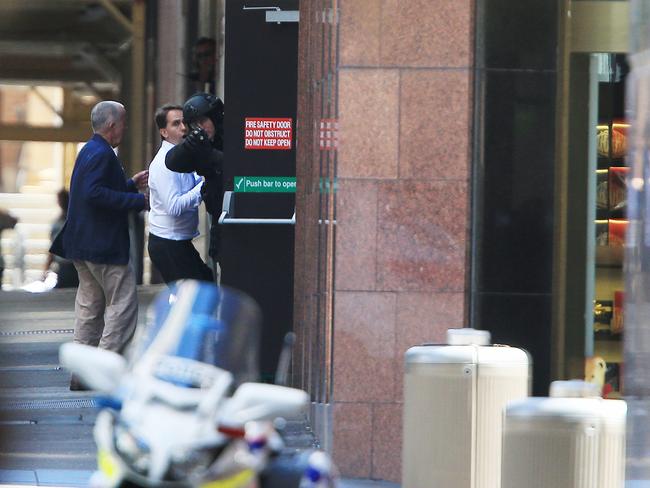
(459,163)
(448,166)
(382,246)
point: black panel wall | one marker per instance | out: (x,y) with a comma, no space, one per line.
(261,66)
(514,171)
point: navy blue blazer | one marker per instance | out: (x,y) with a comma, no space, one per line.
(97,228)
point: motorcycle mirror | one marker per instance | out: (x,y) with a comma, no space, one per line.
(282,373)
(260,401)
(100,369)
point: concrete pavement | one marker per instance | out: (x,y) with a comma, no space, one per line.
(45,429)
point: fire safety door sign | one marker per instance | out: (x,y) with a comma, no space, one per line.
(271,134)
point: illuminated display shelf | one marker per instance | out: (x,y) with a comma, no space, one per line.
(611,227)
(611,256)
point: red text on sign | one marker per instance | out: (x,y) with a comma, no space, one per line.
(268,133)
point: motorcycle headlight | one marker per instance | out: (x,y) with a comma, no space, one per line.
(134,451)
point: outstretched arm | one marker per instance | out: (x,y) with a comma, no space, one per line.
(195,153)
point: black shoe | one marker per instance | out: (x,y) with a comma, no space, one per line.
(77,385)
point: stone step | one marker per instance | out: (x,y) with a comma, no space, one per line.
(25,248)
(44,215)
(17,201)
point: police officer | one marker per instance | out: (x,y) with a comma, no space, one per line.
(201,151)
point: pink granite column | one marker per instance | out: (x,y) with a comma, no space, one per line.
(401,79)
(405,92)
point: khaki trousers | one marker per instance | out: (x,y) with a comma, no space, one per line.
(106,307)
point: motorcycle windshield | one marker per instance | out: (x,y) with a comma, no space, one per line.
(202,322)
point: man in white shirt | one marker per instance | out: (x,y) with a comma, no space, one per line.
(174,200)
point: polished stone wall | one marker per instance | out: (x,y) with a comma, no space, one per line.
(516,75)
(383,221)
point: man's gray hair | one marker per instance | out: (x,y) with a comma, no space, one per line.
(104,113)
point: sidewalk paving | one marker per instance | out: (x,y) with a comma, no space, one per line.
(365,483)
(67,478)
(51,315)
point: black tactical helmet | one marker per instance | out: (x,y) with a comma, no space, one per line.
(202,105)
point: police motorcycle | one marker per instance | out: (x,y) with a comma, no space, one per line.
(184,409)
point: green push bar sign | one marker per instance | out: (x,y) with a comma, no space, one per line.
(265,184)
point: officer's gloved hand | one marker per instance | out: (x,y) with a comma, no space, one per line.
(196,138)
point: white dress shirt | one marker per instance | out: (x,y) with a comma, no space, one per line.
(174,199)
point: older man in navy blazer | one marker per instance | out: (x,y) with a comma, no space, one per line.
(96,235)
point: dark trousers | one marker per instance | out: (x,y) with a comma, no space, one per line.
(177,260)
(66,276)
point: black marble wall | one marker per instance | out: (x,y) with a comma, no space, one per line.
(514,170)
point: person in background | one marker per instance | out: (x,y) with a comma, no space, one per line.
(66,273)
(204,65)
(7,221)
(95,236)
(174,213)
